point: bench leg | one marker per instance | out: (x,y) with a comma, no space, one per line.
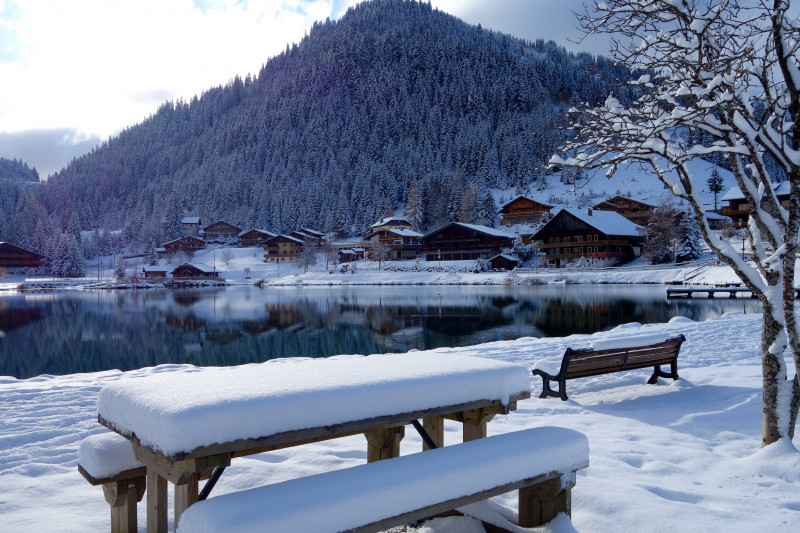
(384,443)
(539,504)
(156,502)
(474,424)
(185,495)
(658,373)
(122,496)
(548,391)
(434,426)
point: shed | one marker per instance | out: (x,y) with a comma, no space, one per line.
(504,262)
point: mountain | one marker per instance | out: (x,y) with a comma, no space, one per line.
(15,170)
(394,100)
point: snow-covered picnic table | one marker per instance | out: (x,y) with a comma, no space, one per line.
(185,425)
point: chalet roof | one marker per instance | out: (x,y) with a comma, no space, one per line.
(190,220)
(295,239)
(388,220)
(710,215)
(400,232)
(265,232)
(525,198)
(312,232)
(202,267)
(486,230)
(735,193)
(606,222)
(506,256)
(614,199)
(154,268)
(221,222)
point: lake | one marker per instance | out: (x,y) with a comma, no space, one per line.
(68,332)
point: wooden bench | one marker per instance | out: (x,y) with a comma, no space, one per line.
(606,358)
(541,463)
(107,459)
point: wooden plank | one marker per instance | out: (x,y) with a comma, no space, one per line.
(122,476)
(384,443)
(156,502)
(243,447)
(434,426)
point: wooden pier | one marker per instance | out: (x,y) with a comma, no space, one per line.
(711,292)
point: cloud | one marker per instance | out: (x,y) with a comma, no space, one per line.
(47,150)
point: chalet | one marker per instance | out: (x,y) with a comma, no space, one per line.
(738,208)
(156,271)
(504,262)
(197,270)
(348,255)
(221,231)
(254,237)
(186,243)
(523,210)
(606,238)
(15,257)
(403,243)
(307,236)
(390,223)
(191,226)
(313,233)
(636,211)
(458,241)
(282,248)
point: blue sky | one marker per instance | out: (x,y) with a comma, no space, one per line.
(76,72)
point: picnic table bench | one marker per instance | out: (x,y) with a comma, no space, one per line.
(541,463)
(185,426)
(609,356)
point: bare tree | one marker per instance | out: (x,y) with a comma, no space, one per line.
(380,252)
(226,255)
(307,257)
(730,73)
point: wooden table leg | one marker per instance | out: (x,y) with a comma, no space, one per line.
(122,496)
(434,426)
(185,495)
(156,502)
(474,424)
(539,504)
(384,443)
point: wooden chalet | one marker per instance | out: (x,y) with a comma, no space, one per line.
(348,255)
(523,210)
(154,271)
(604,237)
(221,231)
(738,208)
(404,243)
(282,248)
(189,271)
(186,243)
(191,226)
(636,211)
(254,237)
(388,223)
(458,241)
(504,262)
(12,256)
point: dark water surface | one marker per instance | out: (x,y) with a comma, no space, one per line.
(86,331)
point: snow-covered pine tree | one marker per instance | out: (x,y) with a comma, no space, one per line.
(690,238)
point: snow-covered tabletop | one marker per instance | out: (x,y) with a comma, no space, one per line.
(178,413)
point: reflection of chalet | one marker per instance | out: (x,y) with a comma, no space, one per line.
(738,208)
(221,231)
(187,243)
(458,241)
(604,237)
(254,237)
(283,316)
(15,257)
(186,323)
(636,211)
(15,317)
(403,243)
(523,210)
(198,270)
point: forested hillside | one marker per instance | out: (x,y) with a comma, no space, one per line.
(394,103)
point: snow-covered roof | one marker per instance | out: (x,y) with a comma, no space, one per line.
(179,412)
(710,215)
(735,193)
(265,232)
(487,230)
(405,232)
(526,198)
(190,220)
(608,222)
(199,266)
(312,232)
(295,239)
(506,256)
(155,268)
(386,221)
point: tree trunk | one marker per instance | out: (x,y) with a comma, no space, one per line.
(773,344)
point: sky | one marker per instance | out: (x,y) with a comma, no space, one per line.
(75,73)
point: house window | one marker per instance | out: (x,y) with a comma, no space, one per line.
(579,238)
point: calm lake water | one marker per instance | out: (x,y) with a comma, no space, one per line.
(87,331)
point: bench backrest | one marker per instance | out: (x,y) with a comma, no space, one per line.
(588,362)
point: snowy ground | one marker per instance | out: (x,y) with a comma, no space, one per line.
(680,456)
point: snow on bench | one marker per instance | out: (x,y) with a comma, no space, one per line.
(177,412)
(107,459)
(541,462)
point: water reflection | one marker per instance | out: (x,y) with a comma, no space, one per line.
(60,333)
